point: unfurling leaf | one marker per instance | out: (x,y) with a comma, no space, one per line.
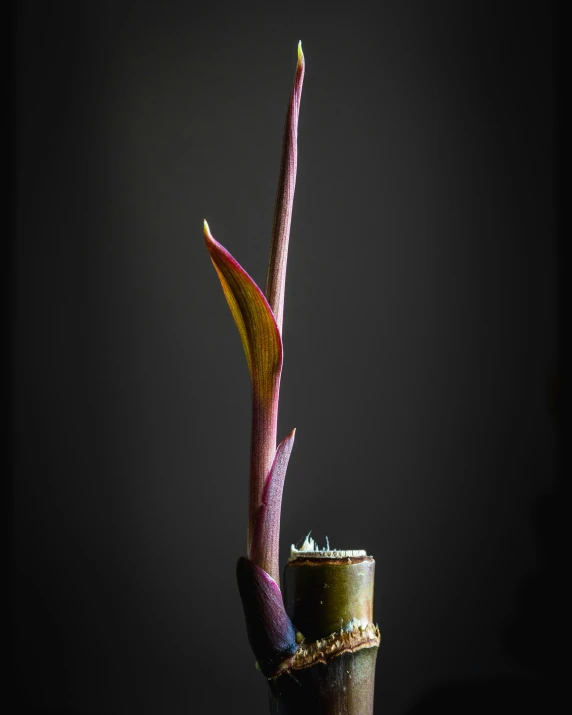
(276,277)
(263,349)
(266,534)
(258,317)
(253,316)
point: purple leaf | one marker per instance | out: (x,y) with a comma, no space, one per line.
(263,349)
(266,534)
(276,278)
(270,632)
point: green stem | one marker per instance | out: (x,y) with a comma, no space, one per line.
(329,597)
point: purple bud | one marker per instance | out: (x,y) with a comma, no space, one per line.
(271,633)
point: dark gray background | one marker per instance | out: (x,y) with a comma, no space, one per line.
(420,341)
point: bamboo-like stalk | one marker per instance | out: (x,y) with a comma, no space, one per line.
(318,647)
(329,596)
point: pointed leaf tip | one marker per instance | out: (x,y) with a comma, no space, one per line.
(276,276)
(262,346)
(253,317)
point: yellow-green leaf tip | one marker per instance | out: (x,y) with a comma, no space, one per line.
(300,53)
(206,229)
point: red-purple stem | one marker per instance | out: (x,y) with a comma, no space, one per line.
(262,450)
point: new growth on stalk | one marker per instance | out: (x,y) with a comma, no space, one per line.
(328,594)
(258,317)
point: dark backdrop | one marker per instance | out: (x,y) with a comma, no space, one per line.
(420,339)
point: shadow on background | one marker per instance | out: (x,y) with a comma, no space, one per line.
(530,636)
(529,640)
(486,695)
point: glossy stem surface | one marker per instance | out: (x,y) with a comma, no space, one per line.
(344,686)
(323,597)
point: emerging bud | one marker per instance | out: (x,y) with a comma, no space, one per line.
(272,636)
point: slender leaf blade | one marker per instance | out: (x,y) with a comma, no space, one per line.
(276,277)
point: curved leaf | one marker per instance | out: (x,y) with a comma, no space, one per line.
(253,316)
(263,349)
